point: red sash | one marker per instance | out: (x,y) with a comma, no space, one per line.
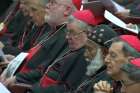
(31,52)
(47,81)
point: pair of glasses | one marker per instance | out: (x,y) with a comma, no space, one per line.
(74,34)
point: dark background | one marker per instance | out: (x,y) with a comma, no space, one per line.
(4,4)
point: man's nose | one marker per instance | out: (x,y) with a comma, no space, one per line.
(107,59)
(30,14)
(68,37)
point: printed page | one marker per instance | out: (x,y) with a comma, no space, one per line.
(109,16)
(14,64)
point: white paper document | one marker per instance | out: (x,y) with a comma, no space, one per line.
(109,16)
(3,89)
(14,64)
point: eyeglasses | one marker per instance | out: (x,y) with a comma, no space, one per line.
(74,34)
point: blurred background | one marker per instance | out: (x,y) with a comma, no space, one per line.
(4,6)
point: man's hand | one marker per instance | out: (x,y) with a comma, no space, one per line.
(9,57)
(102,87)
(133,26)
(1,45)
(123,13)
(9,81)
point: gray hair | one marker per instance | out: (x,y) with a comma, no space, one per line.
(82,25)
(96,63)
(127,49)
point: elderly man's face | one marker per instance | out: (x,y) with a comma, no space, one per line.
(76,37)
(115,59)
(56,11)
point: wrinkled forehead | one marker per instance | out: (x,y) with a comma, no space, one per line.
(116,46)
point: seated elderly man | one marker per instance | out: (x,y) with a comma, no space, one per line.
(122,65)
(96,70)
(66,71)
(53,42)
(24,27)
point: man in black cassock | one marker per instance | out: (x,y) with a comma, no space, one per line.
(67,69)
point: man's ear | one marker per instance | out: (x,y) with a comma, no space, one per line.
(67,11)
(130,58)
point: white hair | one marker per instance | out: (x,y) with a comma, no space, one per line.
(96,63)
(81,24)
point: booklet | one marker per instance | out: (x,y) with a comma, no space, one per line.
(14,64)
(115,20)
(3,89)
